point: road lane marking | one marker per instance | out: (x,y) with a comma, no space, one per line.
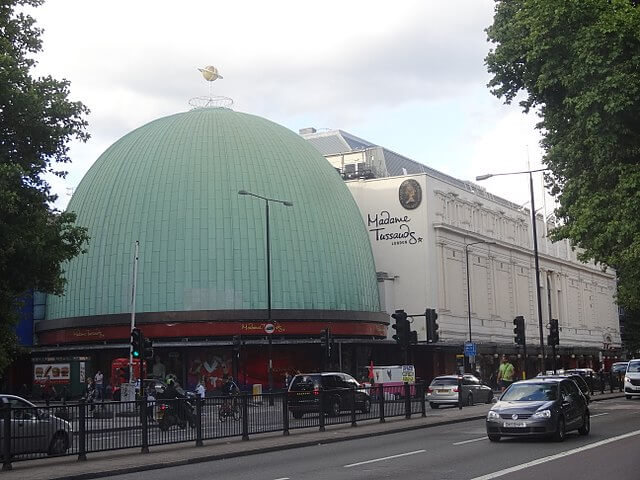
(533,463)
(383,458)
(283,478)
(470,441)
(599,414)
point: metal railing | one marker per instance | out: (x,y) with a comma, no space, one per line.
(83,428)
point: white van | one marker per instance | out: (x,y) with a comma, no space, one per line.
(632,379)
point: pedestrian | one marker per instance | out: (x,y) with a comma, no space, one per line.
(90,393)
(287,379)
(506,373)
(200,390)
(48,391)
(99,384)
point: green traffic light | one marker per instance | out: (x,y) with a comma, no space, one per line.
(136,353)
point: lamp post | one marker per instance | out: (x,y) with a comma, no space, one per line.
(466,253)
(268,250)
(535,252)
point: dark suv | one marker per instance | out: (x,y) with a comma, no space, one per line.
(336,387)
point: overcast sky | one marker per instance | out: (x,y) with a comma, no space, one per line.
(406,75)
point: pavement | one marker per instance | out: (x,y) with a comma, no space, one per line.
(116,462)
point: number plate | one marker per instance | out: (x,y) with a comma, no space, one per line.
(443,391)
(514,424)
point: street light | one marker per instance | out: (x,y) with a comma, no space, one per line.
(266,202)
(535,252)
(466,253)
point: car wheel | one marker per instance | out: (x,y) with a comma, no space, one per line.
(494,438)
(586,424)
(435,406)
(59,444)
(490,397)
(334,408)
(298,415)
(366,406)
(470,400)
(560,430)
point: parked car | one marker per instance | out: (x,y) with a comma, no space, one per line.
(444,391)
(304,394)
(632,379)
(580,382)
(588,374)
(35,430)
(539,407)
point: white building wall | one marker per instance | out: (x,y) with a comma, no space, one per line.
(428,269)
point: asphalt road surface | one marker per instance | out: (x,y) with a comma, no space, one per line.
(452,452)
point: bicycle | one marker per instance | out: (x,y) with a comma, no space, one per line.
(229,408)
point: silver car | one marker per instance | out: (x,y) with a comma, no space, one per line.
(444,391)
(33,430)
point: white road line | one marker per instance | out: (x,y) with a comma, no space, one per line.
(283,478)
(599,414)
(470,441)
(384,458)
(505,471)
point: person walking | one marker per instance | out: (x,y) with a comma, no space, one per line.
(99,384)
(48,391)
(506,373)
(201,391)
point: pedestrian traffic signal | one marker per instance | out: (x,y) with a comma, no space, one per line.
(401,327)
(147,351)
(136,343)
(554,333)
(519,330)
(432,325)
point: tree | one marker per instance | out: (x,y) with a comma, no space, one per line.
(36,123)
(576,63)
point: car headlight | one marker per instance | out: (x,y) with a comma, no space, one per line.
(492,415)
(627,379)
(542,414)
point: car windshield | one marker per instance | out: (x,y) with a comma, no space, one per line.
(530,392)
(305,382)
(441,382)
(633,367)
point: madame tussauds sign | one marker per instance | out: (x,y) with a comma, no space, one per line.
(388,228)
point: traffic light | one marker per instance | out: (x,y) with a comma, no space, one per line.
(147,351)
(413,337)
(236,343)
(432,325)
(401,327)
(519,331)
(136,343)
(554,333)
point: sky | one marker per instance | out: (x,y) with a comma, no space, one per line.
(406,75)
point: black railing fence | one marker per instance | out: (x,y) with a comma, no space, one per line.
(84,428)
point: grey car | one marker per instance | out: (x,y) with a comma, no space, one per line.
(444,391)
(33,430)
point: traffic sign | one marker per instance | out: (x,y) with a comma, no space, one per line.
(269,328)
(469,349)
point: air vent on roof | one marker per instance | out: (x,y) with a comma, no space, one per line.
(304,131)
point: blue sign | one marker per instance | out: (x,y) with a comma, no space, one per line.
(469,349)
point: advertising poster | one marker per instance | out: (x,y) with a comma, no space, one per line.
(55,372)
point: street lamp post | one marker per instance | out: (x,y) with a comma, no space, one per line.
(268,251)
(535,253)
(466,253)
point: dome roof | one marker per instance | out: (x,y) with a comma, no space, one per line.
(172,184)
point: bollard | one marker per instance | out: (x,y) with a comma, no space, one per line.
(591,383)
(620,382)
(407,400)
(285,413)
(245,416)
(382,419)
(602,382)
(611,382)
(423,400)
(459,392)
(6,443)
(199,421)
(82,432)
(353,407)
(321,411)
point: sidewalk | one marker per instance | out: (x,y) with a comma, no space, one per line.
(103,464)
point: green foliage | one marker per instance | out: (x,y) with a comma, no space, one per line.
(576,63)
(36,123)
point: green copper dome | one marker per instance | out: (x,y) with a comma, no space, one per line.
(173,185)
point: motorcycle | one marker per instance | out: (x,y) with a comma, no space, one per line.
(178,412)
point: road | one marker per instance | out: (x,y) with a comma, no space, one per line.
(453,452)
